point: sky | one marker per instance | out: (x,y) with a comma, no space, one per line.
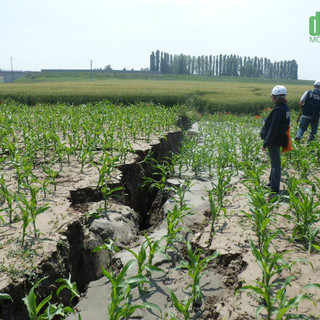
(67,34)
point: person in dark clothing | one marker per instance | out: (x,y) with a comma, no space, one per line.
(274,134)
(310,106)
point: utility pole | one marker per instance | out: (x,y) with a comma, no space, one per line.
(11,69)
(90,69)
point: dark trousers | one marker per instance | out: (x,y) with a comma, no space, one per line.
(275,172)
(304,124)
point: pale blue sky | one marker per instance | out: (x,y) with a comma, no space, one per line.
(41,34)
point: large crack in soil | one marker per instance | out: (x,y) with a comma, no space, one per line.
(136,209)
(73,253)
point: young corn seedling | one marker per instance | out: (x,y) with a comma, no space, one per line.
(161,175)
(44,309)
(26,219)
(30,211)
(182,307)
(9,197)
(105,167)
(260,213)
(107,192)
(214,210)
(71,286)
(271,265)
(306,212)
(196,266)
(44,186)
(108,246)
(83,155)
(174,217)
(144,263)
(285,304)
(223,184)
(52,174)
(119,306)
(155,247)
(180,191)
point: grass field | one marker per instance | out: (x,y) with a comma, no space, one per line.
(206,94)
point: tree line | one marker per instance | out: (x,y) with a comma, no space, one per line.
(223,65)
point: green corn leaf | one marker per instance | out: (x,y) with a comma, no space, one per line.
(108,275)
(176,302)
(43,303)
(292,303)
(133,282)
(151,268)
(150,305)
(5,296)
(311,286)
(125,269)
(30,300)
(256,290)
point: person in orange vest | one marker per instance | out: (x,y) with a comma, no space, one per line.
(274,134)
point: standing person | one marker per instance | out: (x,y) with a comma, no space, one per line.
(310,106)
(274,134)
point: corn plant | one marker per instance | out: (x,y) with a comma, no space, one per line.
(160,176)
(196,266)
(306,213)
(285,304)
(124,147)
(174,218)
(30,211)
(144,263)
(274,300)
(215,210)
(35,310)
(182,307)
(71,286)
(83,155)
(180,191)
(119,306)
(9,197)
(44,185)
(107,192)
(52,174)
(222,186)
(260,212)
(155,247)
(105,167)
(300,161)
(108,245)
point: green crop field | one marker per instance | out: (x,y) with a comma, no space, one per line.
(57,140)
(206,94)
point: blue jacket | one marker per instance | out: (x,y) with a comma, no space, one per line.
(312,104)
(276,126)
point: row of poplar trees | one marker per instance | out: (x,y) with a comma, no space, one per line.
(222,65)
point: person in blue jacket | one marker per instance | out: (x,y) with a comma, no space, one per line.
(274,134)
(310,106)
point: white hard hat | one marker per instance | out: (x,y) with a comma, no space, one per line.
(279,90)
(317,83)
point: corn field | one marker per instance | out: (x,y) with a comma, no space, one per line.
(41,144)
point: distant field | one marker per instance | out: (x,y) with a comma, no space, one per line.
(207,94)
